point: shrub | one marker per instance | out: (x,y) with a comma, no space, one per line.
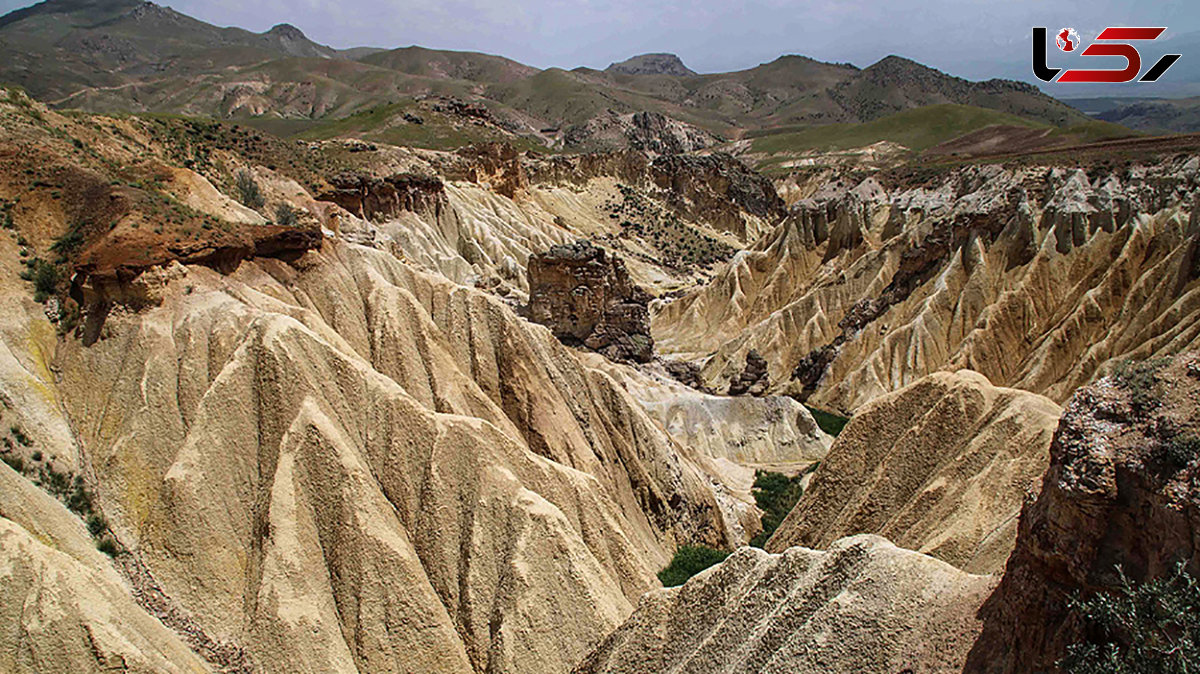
(1140,379)
(96,525)
(248,191)
(68,243)
(108,546)
(687,562)
(19,434)
(45,279)
(14,462)
(1141,628)
(1181,450)
(286,215)
(830,423)
(776,494)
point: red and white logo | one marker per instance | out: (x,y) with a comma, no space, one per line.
(1112,41)
(1067,39)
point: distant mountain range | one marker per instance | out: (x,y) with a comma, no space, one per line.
(125,55)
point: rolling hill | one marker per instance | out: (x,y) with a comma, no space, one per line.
(127,55)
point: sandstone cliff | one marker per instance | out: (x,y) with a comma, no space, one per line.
(862,606)
(941,466)
(1040,278)
(1120,490)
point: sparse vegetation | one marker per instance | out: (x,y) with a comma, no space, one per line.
(68,489)
(687,562)
(1140,379)
(1179,451)
(678,243)
(108,546)
(45,278)
(775,494)
(1151,627)
(286,216)
(249,192)
(68,243)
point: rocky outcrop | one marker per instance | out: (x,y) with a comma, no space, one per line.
(585,296)
(1120,490)
(376,198)
(651,132)
(862,606)
(721,188)
(754,379)
(121,266)
(496,165)
(651,64)
(1037,277)
(941,466)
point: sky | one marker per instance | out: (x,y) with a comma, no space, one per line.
(967,38)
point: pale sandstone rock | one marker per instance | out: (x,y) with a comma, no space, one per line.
(63,606)
(941,466)
(862,606)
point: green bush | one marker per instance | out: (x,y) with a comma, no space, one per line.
(248,191)
(830,423)
(1141,628)
(1140,379)
(687,562)
(286,215)
(68,243)
(96,525)
(45,279)
(108,546)
(1181,450)
(776,494)
(14,462)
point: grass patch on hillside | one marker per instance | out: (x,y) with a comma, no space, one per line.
(828,421)
(386,124)
(775,494)
(916,129)
(1095,131)
(687,562)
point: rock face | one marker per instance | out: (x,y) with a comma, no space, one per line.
(754,379)
(941,466)
(745,429)
(645,131)
(373,198)
(63,606)
(585,296)
(346,463)
(721,187)
(862,606)
(1037,277)
(1120,491)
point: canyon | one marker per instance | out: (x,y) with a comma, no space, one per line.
(340,404)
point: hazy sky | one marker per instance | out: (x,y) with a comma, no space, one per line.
(973,39)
